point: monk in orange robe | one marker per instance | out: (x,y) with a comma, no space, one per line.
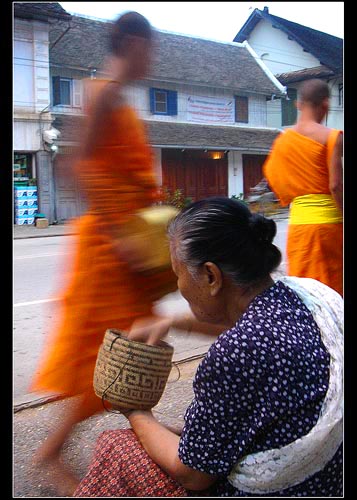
(117,176)
(304,169)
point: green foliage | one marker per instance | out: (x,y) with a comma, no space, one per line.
(175,199)
(239,197)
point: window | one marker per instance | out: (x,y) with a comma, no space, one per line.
(163,102)
(288,108)
(160,102)
(66,92)
(241,109)
(22,167)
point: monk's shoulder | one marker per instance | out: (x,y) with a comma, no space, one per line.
(315,131)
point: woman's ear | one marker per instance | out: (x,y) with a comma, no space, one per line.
(214,278)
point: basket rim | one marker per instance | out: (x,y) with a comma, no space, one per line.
(162,346)
(116,364)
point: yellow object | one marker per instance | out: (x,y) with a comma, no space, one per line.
(146,233)
(314,209)
(41,223)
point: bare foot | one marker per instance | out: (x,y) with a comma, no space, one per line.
(58,474)
(64,480)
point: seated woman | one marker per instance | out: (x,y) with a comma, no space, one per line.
(266,418)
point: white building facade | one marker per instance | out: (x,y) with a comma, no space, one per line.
(32,163)
(295,53)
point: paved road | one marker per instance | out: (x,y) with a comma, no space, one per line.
(41,269)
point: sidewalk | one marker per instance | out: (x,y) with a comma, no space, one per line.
(32,231)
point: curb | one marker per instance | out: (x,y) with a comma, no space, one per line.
(37,402)
(276,218)
(42,236)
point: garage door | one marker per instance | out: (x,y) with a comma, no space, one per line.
(252,171)
(67,196)
(198,174)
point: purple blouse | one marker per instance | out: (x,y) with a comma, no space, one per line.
(260,386)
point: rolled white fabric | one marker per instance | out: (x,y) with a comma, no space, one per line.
(278,469)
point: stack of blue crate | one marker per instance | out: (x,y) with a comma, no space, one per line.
(26,206)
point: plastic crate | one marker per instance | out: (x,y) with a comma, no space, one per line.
(23,220)
(28,211)
(26,202)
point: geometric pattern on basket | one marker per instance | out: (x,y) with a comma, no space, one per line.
(131,374)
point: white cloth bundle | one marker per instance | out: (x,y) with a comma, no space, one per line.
(278,469)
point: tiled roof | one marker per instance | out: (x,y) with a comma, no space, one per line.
(184,134)
(328,49)
(212,63)
(40,10)
(304,74)
(84,45)
(177,58)
(192,135)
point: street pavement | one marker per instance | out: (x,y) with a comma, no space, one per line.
(35,414)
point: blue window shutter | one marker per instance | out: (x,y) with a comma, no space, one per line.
(152,100)
(56,88)
(171,102)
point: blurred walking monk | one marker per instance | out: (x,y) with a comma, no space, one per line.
(116,174)
(304,169)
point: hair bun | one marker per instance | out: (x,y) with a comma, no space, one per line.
(263,230)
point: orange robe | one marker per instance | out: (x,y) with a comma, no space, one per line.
(103,293)
(298,166)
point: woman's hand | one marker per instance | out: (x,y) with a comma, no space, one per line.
(150,330)
(162,445)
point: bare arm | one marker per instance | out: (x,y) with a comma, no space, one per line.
(153,328)
(336,173)
(162,446)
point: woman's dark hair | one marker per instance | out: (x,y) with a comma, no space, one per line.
(225,232)
(130,23)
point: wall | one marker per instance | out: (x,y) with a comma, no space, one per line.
(27,131)
(335,115)
(235,173)
(31,100)
(31,66)
(138,96)
(31,90)
(280,54)
(274,113)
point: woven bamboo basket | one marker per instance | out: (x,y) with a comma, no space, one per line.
(131,374)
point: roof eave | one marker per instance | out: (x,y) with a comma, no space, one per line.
(42,17)
(248,26)
(296,38)
(280,89)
